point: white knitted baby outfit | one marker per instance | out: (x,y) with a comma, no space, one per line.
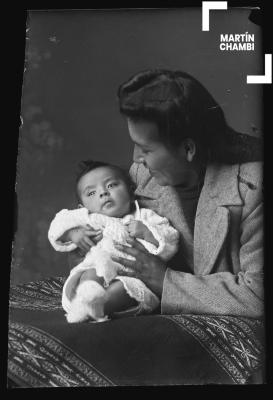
(90,296)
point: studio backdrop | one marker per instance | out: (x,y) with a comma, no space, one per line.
(74,63)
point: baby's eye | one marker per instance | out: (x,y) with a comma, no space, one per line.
(91,193)
(112,184)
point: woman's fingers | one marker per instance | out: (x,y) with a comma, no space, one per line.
(128,250)
(131,273)
(137,245)
(136,250)
(125,262)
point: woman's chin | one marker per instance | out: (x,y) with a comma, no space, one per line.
(161,180)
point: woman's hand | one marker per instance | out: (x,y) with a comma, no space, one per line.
(148,268)
(84,237)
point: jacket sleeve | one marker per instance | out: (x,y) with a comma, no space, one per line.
(225,292)
(163,232)
(63,221)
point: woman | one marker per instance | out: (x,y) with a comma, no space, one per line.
(192,168)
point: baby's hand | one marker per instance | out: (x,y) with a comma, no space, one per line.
(137,229)
(84,237)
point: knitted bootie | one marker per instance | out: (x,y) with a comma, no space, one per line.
(88,302)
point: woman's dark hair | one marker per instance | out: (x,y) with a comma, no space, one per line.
(89,165)
(183,108)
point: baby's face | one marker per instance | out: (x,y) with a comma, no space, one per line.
(103,191)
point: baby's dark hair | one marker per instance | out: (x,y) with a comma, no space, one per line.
(89,165)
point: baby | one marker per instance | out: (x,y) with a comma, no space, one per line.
(107,204)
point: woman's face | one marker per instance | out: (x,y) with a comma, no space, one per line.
(167,166)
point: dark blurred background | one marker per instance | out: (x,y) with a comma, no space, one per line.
(74,63)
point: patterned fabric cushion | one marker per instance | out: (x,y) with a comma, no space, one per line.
(46,351)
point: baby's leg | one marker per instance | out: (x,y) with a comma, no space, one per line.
(91,275)
(89,298)
(137,290)
(117,298)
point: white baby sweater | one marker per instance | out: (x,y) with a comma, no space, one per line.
(114,230)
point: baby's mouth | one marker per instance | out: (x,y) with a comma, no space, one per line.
(107,203)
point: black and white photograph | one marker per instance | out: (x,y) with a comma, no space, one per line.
(138,254)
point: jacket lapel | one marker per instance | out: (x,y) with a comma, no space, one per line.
(166,202)
(220,190)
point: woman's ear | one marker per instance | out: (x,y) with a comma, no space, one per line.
(190,149)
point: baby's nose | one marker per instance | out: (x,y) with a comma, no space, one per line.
(104,193)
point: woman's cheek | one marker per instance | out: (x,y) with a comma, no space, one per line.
(148,160)
(152,162)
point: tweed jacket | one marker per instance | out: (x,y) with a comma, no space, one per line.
(226,247)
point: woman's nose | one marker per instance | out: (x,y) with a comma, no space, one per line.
(137,156)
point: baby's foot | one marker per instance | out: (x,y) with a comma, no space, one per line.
(78,311)
(88,302)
